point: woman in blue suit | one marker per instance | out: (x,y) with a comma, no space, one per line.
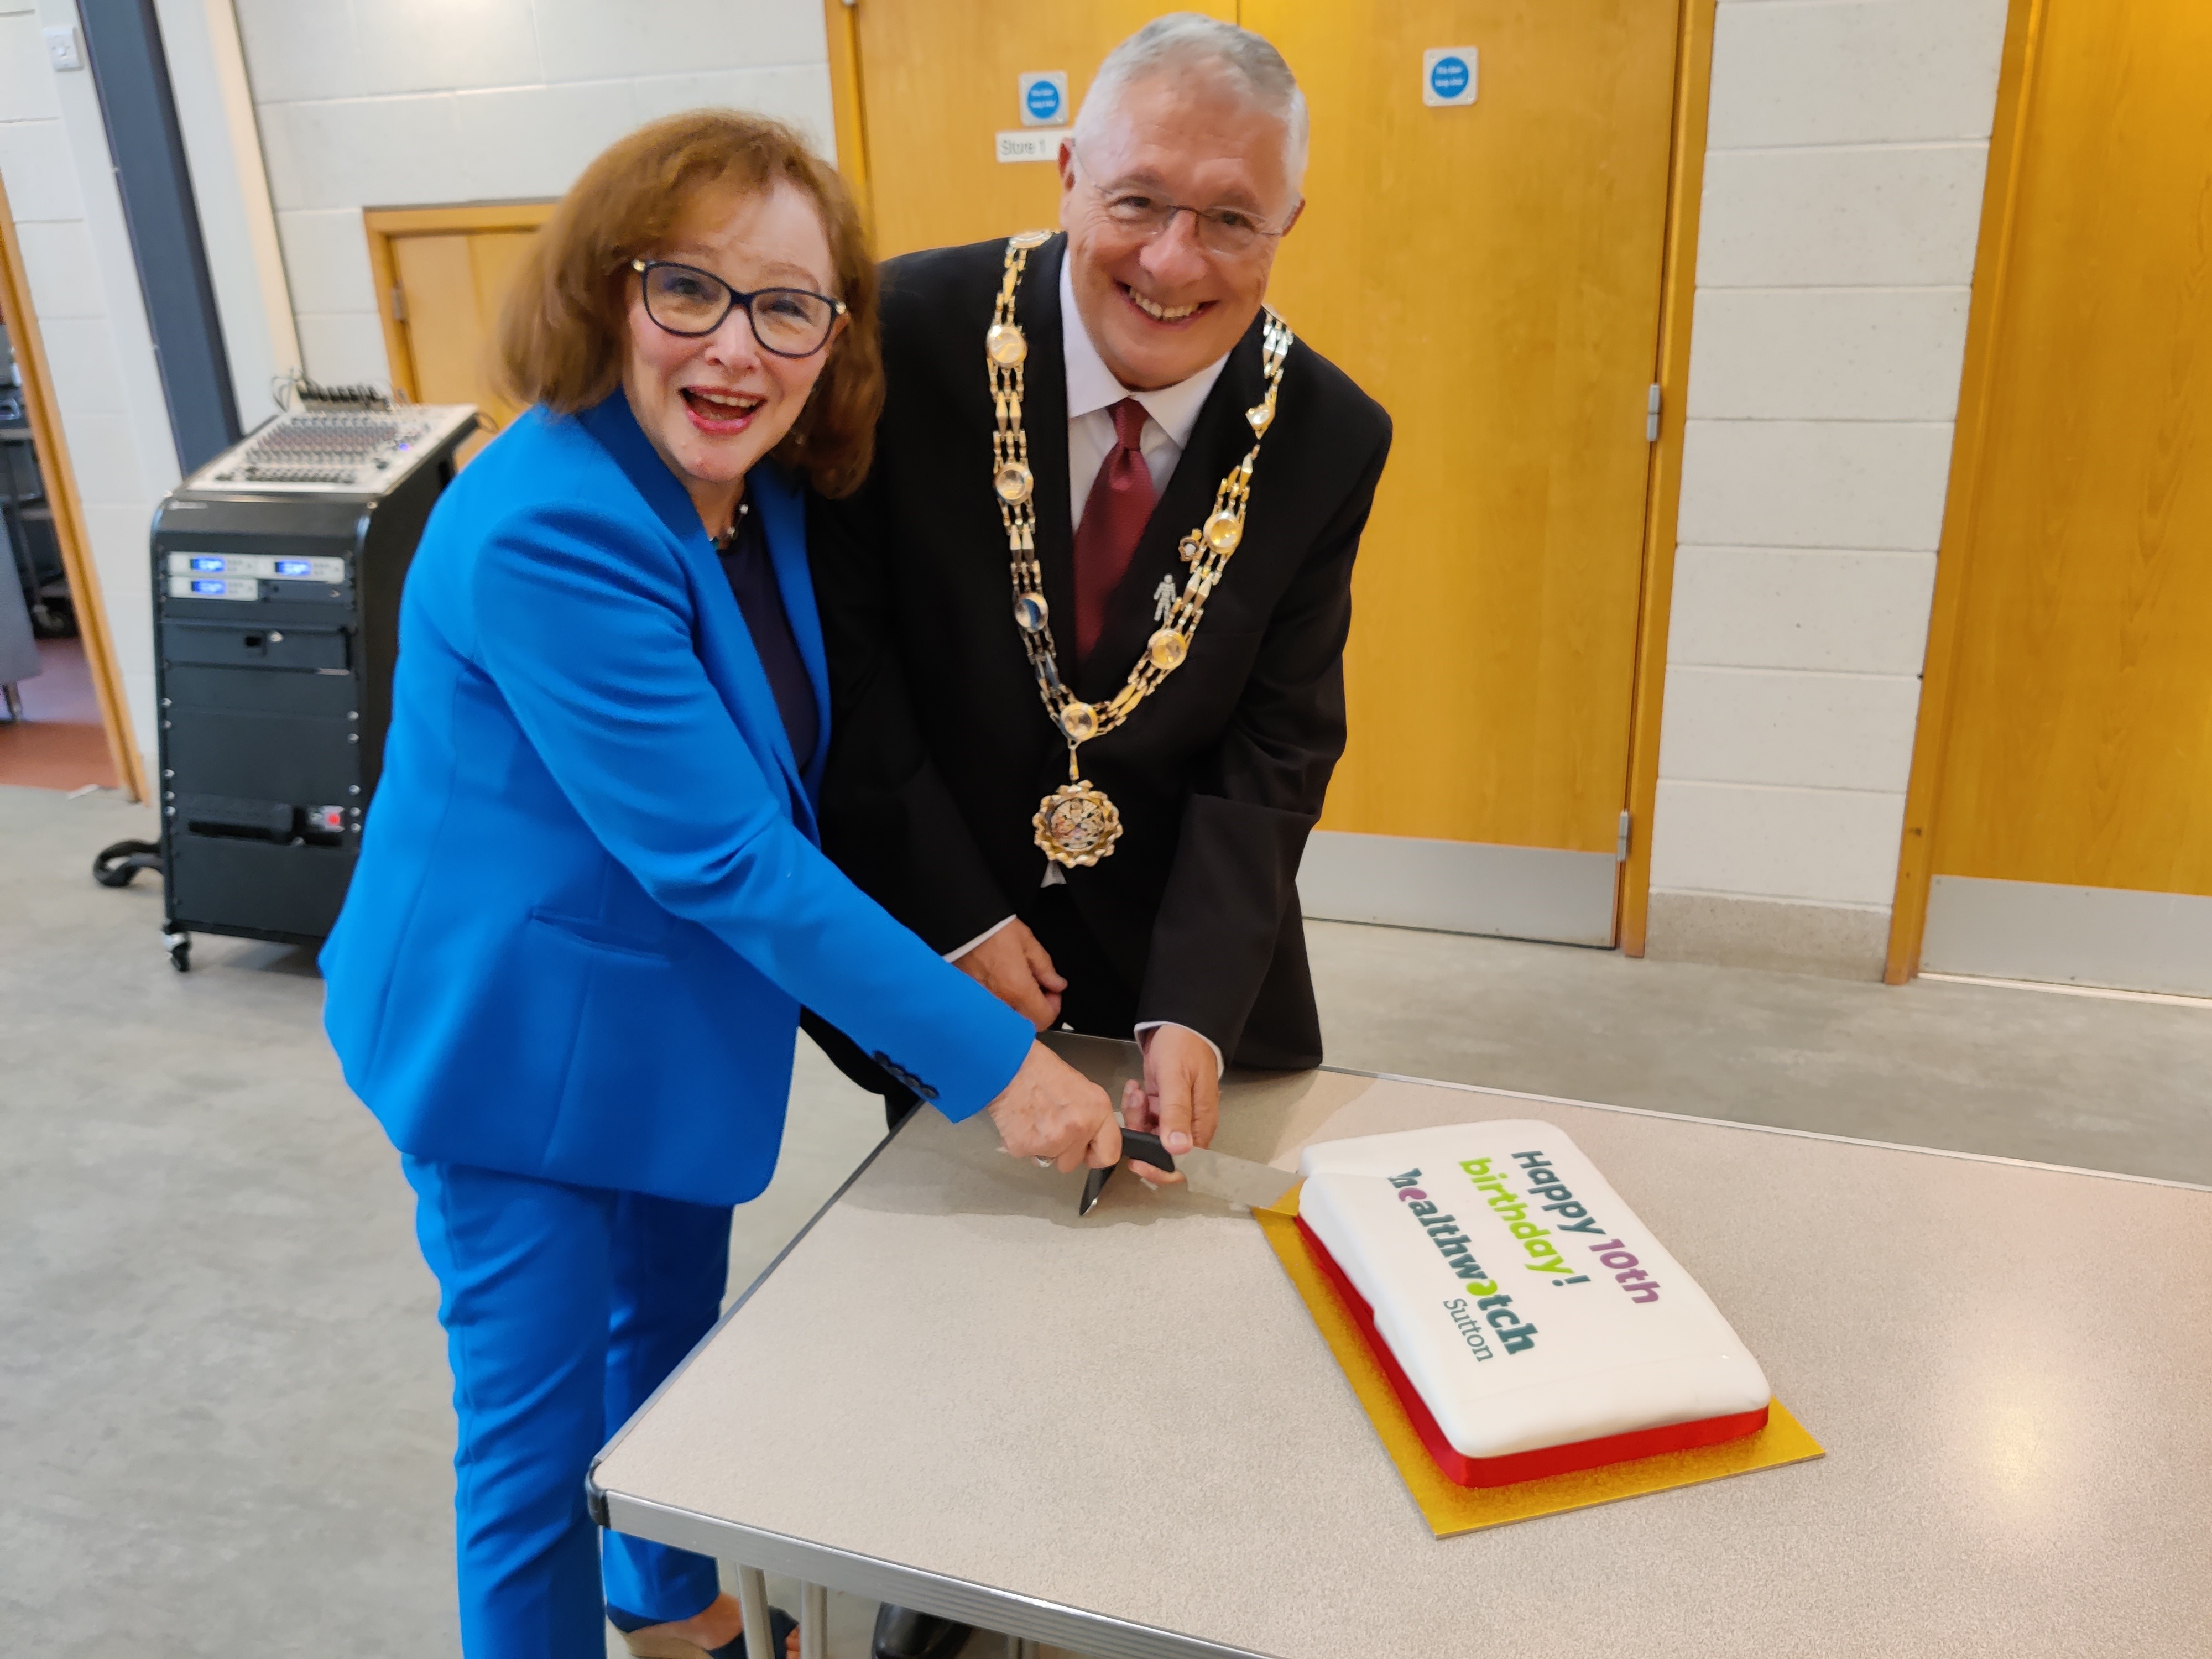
(589,903)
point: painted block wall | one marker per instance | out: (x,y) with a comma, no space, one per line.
(84,288)
(1842,195)
(409,103)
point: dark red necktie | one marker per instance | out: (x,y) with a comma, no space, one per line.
(1114,516)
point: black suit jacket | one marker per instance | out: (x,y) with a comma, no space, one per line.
(941,749)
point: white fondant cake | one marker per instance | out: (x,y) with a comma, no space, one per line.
(1524,1301)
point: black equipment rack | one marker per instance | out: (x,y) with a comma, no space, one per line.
(277,570)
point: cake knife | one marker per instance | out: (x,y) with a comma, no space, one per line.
(1238,1180)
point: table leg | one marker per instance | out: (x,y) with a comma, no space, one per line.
(814,1622)
(752,1599)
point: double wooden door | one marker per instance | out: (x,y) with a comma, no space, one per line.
(2072,806)
(1491,274)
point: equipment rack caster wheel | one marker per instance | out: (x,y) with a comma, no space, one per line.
(180,952)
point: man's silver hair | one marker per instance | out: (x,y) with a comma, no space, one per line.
(1184,40)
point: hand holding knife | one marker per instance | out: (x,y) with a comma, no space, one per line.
(1238,1180)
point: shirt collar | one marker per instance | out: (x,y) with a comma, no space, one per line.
(1092,385)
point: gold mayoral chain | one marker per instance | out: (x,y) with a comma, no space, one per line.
(1076,824)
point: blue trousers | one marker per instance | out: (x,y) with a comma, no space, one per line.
(564,1307)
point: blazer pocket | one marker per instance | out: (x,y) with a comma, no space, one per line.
(600,937)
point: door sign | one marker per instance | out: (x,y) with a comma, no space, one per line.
(1043,97)
(1448,77)
(1030,145)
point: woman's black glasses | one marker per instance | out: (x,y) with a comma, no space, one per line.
(791,322)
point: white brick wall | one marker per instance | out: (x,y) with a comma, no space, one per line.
(404,103)
(84,288)
(1842,195)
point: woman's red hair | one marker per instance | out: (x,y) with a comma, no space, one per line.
(564,328)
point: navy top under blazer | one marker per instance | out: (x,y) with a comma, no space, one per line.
(590,902)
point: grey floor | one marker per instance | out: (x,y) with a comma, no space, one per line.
(223,1418)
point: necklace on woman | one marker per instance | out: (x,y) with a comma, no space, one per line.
(724,540)
(1076,825)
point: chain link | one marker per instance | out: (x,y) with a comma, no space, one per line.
(1206,549)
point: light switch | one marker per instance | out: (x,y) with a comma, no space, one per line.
(63,49)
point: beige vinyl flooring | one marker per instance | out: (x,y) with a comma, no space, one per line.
(223,1402)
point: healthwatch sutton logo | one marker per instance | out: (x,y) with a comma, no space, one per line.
(1458,1250)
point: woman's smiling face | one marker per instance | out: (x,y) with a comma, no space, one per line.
(714,404)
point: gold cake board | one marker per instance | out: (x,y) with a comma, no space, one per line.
(1449,1508)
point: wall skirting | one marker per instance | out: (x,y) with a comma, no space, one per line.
(2132,941)
(1783,935)
(1460,887)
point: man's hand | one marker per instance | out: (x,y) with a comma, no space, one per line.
(1052,1111)
(1015,969)
(1179,1100)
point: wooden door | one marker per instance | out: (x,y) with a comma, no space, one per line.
(443,273)
(1491,275)
(938,82)
(2078,750)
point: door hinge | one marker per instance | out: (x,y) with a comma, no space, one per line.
(398,303)
(1651,416)
(1620,840)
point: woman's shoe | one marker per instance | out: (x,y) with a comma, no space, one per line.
(637,1635)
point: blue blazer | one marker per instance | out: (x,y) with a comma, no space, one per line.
(590,901)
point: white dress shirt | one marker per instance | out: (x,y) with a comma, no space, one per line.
(1170,415)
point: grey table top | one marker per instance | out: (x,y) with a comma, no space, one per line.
(1124,1435)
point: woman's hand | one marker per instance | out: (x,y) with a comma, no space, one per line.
(1051,1110)
(1017,970)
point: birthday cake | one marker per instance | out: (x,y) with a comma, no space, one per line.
(1530,1324)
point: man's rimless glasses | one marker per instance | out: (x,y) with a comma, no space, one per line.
(1228,232)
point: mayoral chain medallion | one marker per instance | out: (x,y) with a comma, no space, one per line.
(1076,825)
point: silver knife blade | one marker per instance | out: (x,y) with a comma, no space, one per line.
(1239,1180)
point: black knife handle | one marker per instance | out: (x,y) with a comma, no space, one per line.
(1147,1149)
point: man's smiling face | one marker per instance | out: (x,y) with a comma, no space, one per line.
(1159,307)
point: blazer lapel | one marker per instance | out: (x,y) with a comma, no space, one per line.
(724,643)
(1217,443)
(1044,417)
(783,520)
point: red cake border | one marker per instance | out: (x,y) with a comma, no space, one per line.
(1515,1467)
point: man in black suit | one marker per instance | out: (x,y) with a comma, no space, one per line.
(1143,326)
(967,679)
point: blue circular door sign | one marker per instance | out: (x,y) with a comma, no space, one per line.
(1447,76)
(1044,100)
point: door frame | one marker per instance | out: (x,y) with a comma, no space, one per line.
(385,226)
(1663,496)
(41,410)
(1908,915)
(1686,177)
(847,97)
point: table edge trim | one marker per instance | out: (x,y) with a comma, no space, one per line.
(1094,1633)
